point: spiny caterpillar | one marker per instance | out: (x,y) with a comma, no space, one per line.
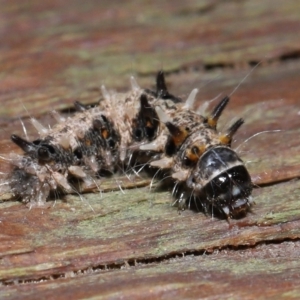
(139,127)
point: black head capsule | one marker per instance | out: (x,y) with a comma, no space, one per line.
(223,182)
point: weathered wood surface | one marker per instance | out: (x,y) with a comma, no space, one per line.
(134,244)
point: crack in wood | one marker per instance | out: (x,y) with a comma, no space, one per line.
(142,262)
(196,66)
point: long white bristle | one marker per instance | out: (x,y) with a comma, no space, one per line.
(162,116)
(190,101)
(38,126)
(134,84)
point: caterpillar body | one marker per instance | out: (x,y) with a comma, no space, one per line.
(139,127)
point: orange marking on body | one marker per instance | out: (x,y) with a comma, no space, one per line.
(179,138)
(212,122)
(195,152)
(225,139)
(104,133)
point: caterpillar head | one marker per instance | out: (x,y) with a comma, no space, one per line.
(221,177)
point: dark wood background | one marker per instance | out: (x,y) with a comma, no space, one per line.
(133,244)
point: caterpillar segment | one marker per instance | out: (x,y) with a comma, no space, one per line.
(204,167)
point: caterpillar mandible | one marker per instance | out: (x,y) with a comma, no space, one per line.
(139,127)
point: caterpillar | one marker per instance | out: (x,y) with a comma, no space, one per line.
(142,126)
